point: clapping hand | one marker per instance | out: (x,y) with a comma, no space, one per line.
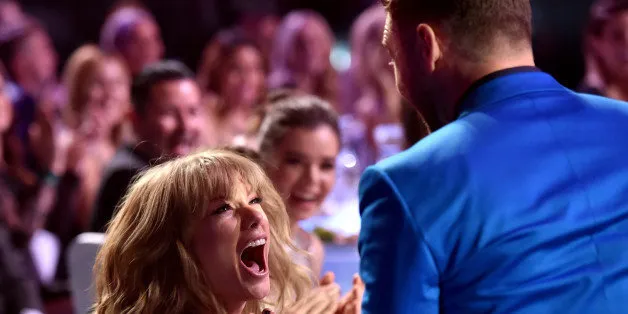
(351,303)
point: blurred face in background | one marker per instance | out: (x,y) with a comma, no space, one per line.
(611,47)
(376,58)
(107,93)
(262,29)
(36,58)
(144,45)
(312,49)
(10,13)
(243,78)
(117,83)
(304,169)
(174,119)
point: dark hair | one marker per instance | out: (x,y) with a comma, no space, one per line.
(249,153)
(471,24)
(307,112)
(602,11)
(152,75)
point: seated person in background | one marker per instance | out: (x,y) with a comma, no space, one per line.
(299,142)
(30,61)
(300,56)
(19,290)
(206,233)
(167,119)
(132,33)
(233,78)
(98,105)
(604,50)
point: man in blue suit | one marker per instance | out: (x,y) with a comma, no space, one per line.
(518,201)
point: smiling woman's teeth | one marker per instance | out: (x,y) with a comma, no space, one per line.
(256,243)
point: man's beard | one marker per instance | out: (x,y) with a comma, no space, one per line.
(421,96)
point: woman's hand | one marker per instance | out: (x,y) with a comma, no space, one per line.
(351,303)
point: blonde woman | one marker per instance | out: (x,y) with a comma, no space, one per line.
(205,234)
(98,87)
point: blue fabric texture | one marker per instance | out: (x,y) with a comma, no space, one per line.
(520,206)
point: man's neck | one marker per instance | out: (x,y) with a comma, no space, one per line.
(471,74)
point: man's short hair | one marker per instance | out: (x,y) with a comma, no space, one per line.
(471,24)
(152,75)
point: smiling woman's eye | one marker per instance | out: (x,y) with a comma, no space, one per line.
(257,200)
(222,209)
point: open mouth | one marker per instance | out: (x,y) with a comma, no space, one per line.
(253,257)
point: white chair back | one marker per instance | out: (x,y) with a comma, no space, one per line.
(45,249)
(81,259)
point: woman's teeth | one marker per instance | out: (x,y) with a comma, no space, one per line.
(256,243)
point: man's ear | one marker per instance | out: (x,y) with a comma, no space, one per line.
(428,45)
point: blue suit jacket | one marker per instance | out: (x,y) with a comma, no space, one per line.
(518,206)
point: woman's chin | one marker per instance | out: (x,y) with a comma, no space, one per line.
(260,290)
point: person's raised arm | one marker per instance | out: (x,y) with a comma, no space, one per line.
(396,264)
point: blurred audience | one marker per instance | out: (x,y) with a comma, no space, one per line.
(233,78)
(376,99)
(11,15)
(132,33)
(30,61)
(259,20)
(168,120)
(301,56)
(19,286)
(299,143)
(606,41)
(98,104)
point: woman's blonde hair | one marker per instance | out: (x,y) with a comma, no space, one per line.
(145,264)
(82,65)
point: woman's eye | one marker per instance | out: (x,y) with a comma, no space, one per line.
(257,200)
(222,209)
(293,161)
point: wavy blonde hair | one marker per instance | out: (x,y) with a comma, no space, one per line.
(145,264)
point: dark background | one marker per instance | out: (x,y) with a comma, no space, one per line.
(187,25)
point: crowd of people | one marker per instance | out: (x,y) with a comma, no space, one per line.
(280,121)
(73,144)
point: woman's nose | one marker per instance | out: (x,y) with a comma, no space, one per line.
(251,218)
